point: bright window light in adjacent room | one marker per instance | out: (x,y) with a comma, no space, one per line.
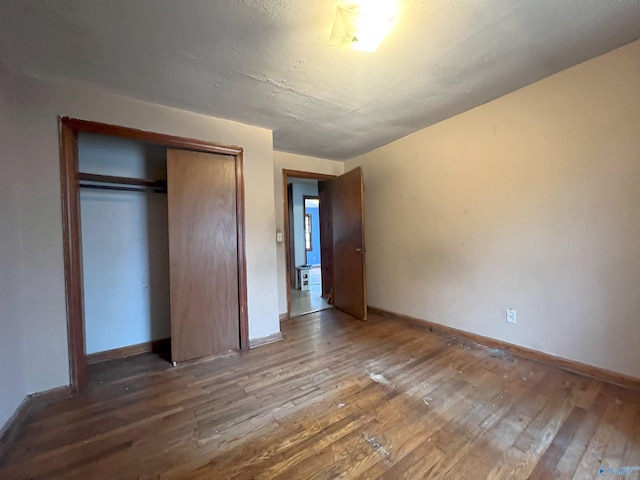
(362,24)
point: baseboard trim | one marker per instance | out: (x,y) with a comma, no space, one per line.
(259,342)
(572,366)
(284,317)
(41,399)
(128,351)
(20,417)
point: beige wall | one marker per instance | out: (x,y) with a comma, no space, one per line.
(290,161)
(531,201)
(42,283)
(13,383)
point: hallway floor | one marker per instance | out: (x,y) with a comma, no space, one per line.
(310,300)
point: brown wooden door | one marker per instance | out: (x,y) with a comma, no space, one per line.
(203,254)
(326,237)
(292,238)
(347,205)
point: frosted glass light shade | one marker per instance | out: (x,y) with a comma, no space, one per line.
(362,25)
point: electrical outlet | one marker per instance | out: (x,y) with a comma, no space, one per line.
(511,316)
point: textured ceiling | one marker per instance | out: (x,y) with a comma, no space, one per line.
(267,62)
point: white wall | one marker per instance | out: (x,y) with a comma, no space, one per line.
(290,161)
(300,190)
(531,202)
(125,251)
(13,384)
(42,285)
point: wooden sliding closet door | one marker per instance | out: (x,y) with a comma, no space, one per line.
(203,254)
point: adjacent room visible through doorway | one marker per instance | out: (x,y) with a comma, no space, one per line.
(305,259)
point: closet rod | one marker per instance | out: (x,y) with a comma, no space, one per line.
(125,189)
(92,177)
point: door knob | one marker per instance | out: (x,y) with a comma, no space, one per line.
(359,250)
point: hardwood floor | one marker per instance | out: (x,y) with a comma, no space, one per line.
(337,398)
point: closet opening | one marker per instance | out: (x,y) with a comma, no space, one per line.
(125,251)
(129,200)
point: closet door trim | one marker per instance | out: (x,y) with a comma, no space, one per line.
(69,128)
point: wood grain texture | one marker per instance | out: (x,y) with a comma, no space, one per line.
(203,252)
(242,252)
(22,415)
(13,426)
(349,278)
(72,253)
(335,399)
(129,350)
(569,365)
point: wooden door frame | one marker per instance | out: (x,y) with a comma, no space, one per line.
(72,242)
(286,175)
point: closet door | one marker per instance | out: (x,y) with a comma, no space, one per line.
(203,254)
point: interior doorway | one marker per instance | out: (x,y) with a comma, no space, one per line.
(341,236)
(305,258)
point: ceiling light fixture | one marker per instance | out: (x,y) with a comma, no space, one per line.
(362,24)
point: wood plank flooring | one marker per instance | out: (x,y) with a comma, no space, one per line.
(336,398)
